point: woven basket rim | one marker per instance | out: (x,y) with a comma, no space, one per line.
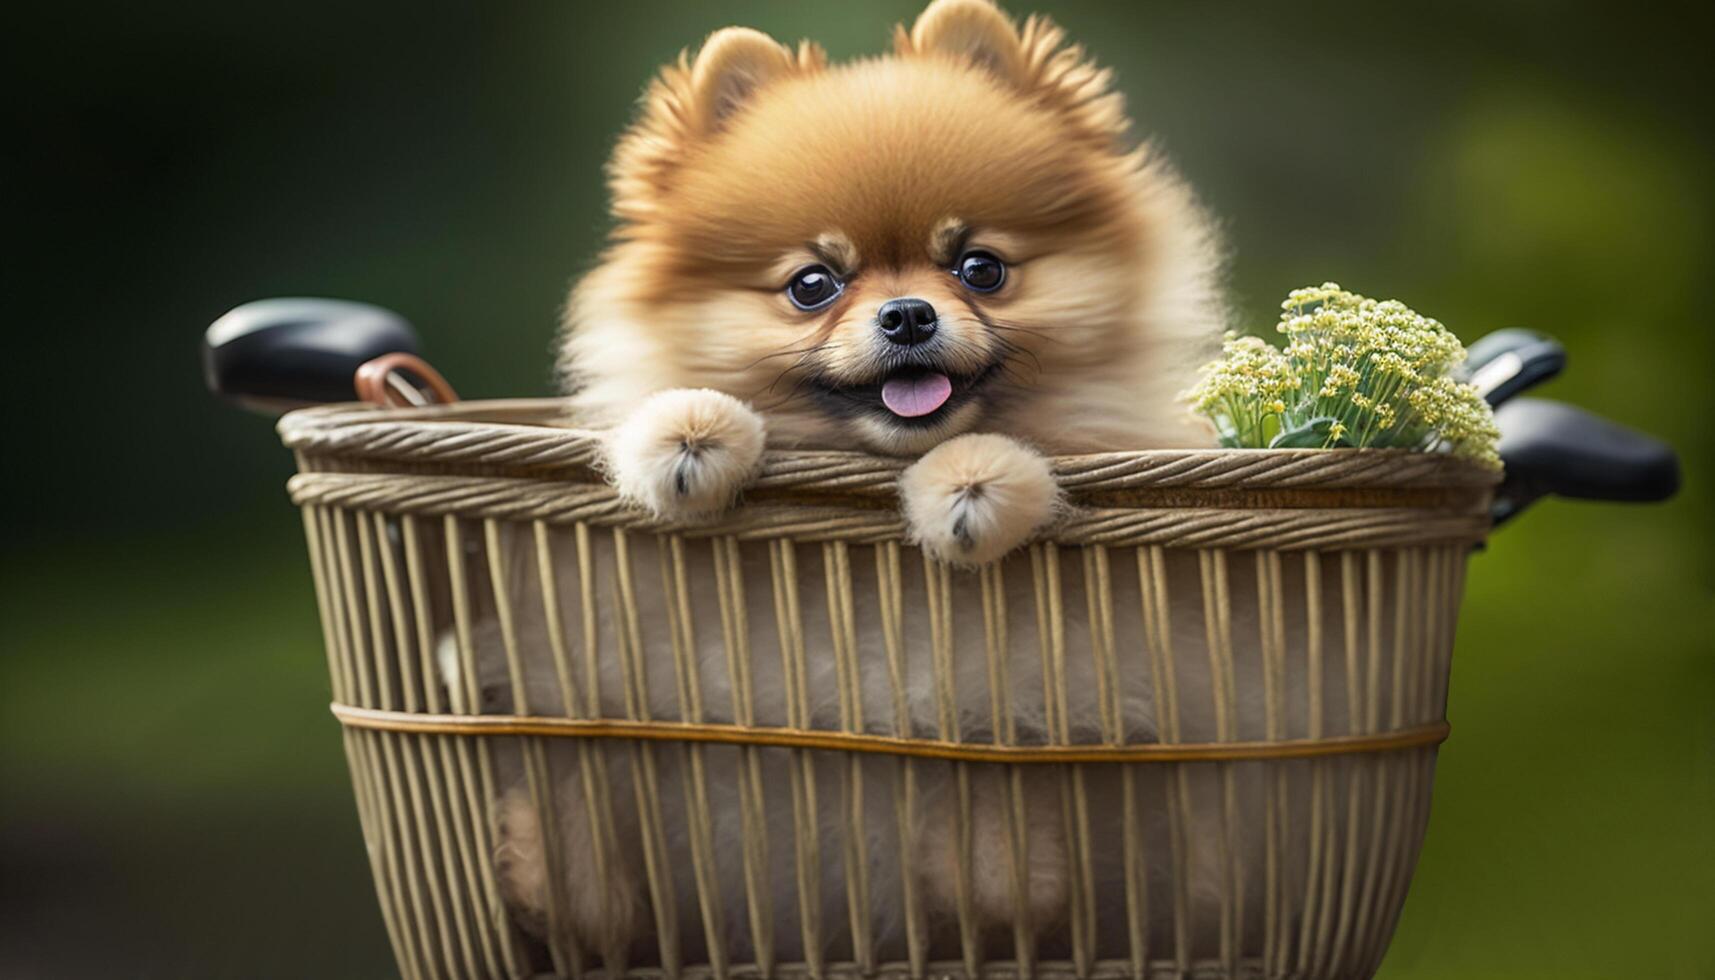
(528,437)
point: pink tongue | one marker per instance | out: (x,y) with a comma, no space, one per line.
(911,397)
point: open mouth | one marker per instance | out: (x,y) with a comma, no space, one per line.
(909,396)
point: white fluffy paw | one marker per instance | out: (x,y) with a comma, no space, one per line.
(685,453)
(974,498)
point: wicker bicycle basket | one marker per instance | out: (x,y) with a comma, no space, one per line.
(1191,733)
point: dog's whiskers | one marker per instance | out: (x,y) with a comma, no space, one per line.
(790,396)
(804,354)
(1011,353)
(1037,332)
(801,351)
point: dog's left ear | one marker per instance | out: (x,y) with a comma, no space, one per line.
(970,30)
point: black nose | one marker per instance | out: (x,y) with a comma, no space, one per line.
(906,321)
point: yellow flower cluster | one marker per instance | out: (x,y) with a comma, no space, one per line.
(1246,386)
(1459,417)
(1354,372)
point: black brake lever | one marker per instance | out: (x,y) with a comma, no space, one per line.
(1507,362)
(1552,448)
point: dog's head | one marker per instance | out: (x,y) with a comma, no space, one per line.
(890,252)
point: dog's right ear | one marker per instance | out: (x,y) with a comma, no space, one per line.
(693,100)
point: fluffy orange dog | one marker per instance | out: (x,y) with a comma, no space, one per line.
(950,251)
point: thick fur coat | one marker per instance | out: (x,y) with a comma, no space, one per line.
(952,253)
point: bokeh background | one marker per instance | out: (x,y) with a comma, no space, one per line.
(173,790)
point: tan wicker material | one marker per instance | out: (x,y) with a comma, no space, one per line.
(1192,731)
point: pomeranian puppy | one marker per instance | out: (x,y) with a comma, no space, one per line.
(952,253)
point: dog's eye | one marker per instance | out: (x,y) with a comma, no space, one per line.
(981,271)
(813,287)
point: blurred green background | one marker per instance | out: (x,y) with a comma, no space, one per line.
(175,802)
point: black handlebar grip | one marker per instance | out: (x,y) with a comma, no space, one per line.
(276,354)
(1553,448)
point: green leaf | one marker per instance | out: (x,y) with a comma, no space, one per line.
(1271,425)
(1311,435)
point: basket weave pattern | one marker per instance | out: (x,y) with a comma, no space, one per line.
(1210,700)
